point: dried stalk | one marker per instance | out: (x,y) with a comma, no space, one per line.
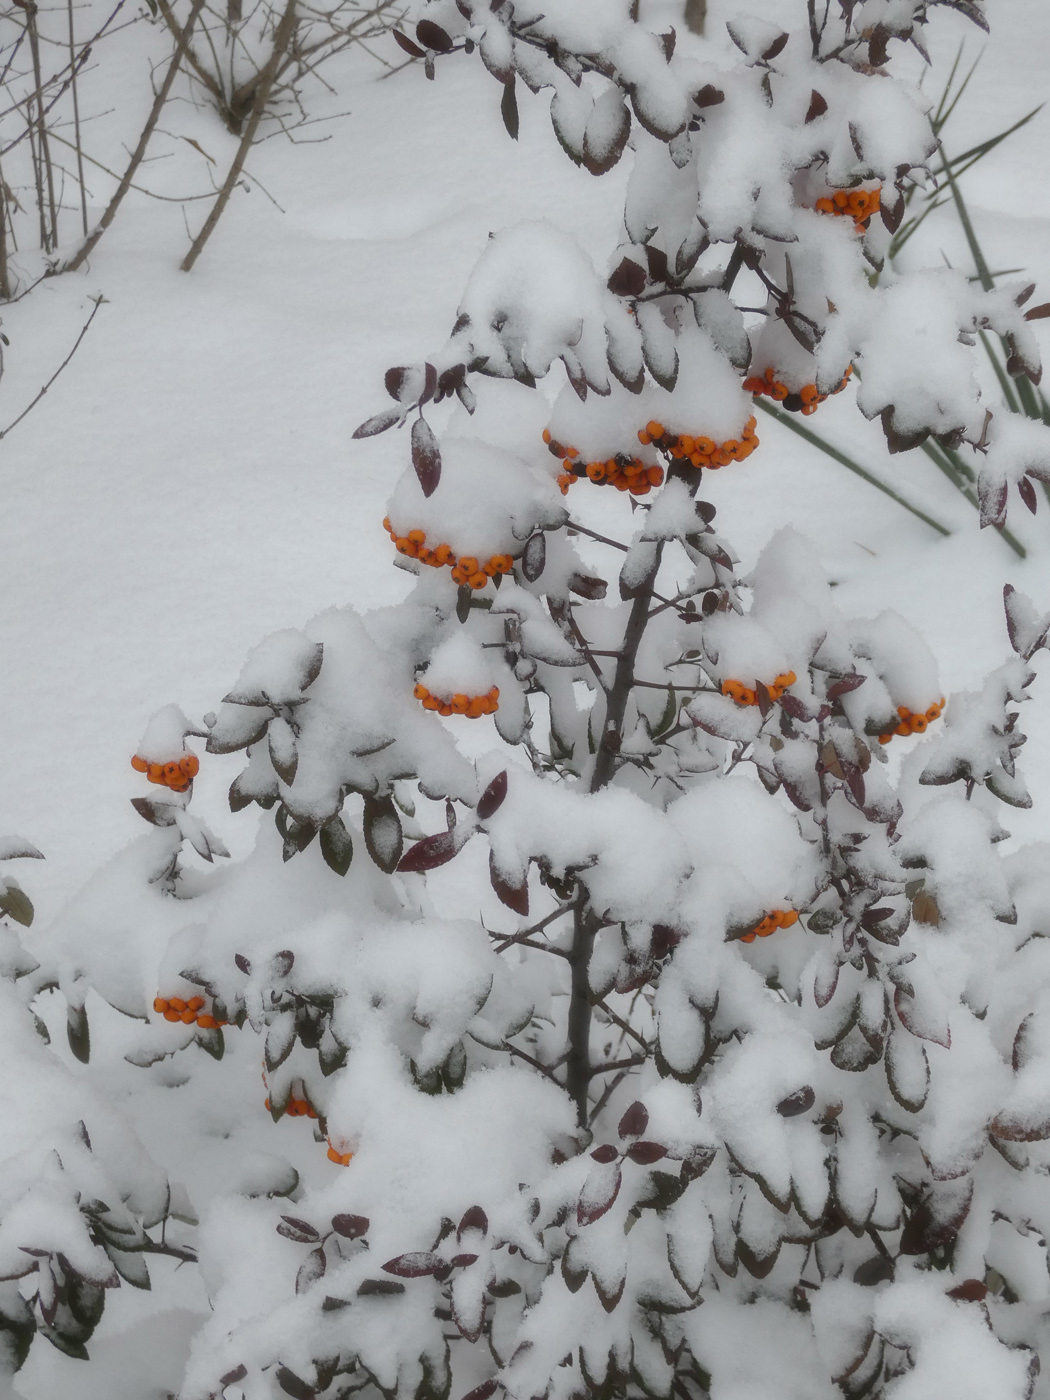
(140,150)
(281,41)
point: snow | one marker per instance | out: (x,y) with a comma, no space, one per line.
(188,487)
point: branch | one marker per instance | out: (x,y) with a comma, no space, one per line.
(619,1064)
(140,150)
(281,40)
(43,391)
(624,1025)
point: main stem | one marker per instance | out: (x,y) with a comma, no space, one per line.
(585,925)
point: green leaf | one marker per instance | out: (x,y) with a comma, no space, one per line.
(384,839)
(337,846)
(15,903)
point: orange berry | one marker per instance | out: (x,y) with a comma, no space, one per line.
(841,198)
(460,704)
(443,555)
(747,938)
(644,438)
(571,452)
(266,1104)
(155,773)
(903,729)
(788,917)
(655,476)
(934,712)
(171,1015)
(160,1005)
(478,579)
(779,392)
(207,1022)
(417,536)
(445,710)
(139,764)
(918,724)
(386,522)
(194,1003)
(476,707)
(654,429)
(754,386)
(825,205)
(504,563)
(432,703)
(177,1004)
(546,435)
(596,471)
(420,692)
(188,1017)
(885,738)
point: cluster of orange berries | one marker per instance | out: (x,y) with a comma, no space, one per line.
(473,706)
(176,775)
(189,1012)
(465,570)
(806,401)
(745,695)
(623,472)
(776,918)
(913,722)
(701,451)
(859,205)
(297,1108)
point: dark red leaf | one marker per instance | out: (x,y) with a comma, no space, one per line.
(429,853)
(598,1194)
(635,1121)
(463,1261)
(292,1385)
(1026,491)
(482,1391)
(301,1231)
(351,1227)
(605,1153)
(645,1153)
(585,586)
(432,36)
(311,1269)
(775,47)
(844,685)
(492,798)
(817,106)
(628,280)
(657,261)
(473,1219)
(425,455)
(415,1265)
(801,1101)
(407,44)
(971,1290)
(1038,313)
(243,963)
(534,557)
(508,109)
(232,1377)
(875,916)
(708,96)
(515,897)
(380,422)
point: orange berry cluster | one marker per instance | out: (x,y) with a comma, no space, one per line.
(176,775)
(776,918)
(473,706)
(623,472)
(341,1159)
(465,570)
(297,1108)
(744,695)
(701,451)
(189,1012)
(859,205)
(806,401)
(913,723)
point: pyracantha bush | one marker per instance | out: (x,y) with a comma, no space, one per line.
(669,1029)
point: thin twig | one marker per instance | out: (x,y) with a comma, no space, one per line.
(282,39)
(76,119)
(43,391)
(143,141)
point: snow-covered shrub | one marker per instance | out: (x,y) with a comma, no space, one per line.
(655,1028)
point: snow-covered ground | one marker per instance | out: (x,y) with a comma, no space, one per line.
(189,484)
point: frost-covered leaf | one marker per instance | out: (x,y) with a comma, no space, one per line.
(1027,628)
(492,798)
(383,836)
(337,845)
(600,1190)
(429,853)
(418,1264)
(426,457)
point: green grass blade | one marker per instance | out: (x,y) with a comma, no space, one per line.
(942,116)
(815,440)
(975,153)
(971,237)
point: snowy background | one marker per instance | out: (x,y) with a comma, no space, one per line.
(189,484)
